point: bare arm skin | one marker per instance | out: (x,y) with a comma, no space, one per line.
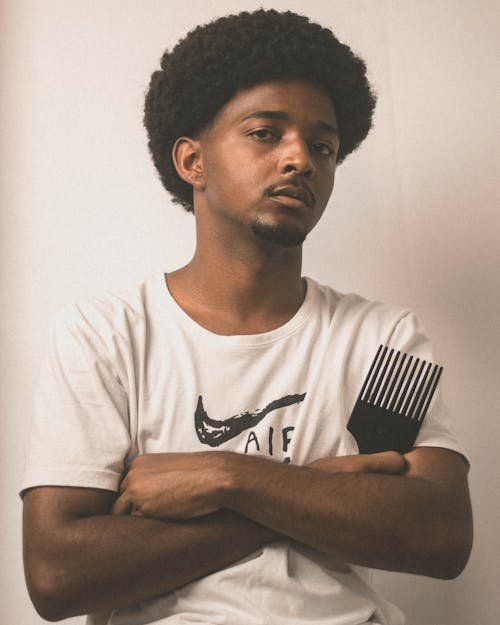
(417,522)
(79,559)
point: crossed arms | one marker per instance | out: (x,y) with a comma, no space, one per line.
(180,517)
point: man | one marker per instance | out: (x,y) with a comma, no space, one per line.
(190,461)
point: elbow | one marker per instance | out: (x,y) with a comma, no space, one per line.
(48,592)
(456,560)
(47,611)
(451,551)
(448,568)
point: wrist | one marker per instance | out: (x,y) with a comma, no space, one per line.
(226,478)
(222,478)
(242,478)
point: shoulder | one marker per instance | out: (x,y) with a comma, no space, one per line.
(107,321)
(118,309)
(359,325)
(361,314)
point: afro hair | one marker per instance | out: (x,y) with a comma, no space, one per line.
(216,60)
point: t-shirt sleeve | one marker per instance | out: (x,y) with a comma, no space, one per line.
(437,430)
(79,434)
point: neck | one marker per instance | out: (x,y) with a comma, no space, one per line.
(240,288)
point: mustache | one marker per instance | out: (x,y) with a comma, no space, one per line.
(292,188)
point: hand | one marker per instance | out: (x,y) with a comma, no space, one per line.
(172,485)
(389,462)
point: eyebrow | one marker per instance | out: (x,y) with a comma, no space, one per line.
(284,116)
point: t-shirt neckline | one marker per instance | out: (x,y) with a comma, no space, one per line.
(165,297)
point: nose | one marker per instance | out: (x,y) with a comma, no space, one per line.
(296,158)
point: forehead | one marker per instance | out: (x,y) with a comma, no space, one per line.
(299,100)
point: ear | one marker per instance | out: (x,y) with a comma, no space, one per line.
(188,161)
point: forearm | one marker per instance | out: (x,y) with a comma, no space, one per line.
(104,562)
(378,510)
(370,520)
(393,522)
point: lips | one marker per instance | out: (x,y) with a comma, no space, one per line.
(300,194)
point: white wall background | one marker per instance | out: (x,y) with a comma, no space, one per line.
(413,220)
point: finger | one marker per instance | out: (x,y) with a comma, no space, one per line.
(124,483)
(122,506)
(346,464)
(390,462)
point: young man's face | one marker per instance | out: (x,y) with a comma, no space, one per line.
(269,162)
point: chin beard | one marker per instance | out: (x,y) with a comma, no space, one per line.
(279,235)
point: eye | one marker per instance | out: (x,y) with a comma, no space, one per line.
(263,134)
(324,149)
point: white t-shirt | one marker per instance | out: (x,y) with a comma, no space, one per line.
(132,373)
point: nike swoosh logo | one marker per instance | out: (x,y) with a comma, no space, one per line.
(214,432)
